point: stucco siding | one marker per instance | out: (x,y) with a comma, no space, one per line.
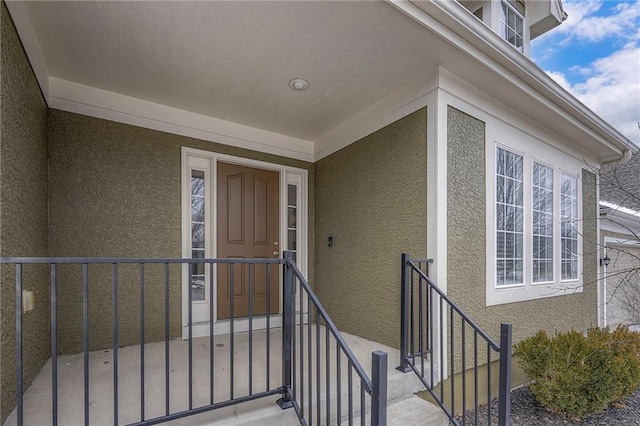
(23,210)
(371,198)
(466,256)
(115,191)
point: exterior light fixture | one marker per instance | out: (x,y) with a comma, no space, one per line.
(299,84)
(605,260)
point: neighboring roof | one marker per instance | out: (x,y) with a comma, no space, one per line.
(620,186)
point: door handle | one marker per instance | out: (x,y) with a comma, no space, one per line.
(276,253)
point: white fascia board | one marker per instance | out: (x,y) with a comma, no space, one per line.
(481,43)
(482,106)
(81,99)
(614,218)
(24,27)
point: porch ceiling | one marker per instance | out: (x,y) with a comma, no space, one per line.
(233,60)
(219,70)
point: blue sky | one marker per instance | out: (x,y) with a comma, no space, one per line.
(595,55)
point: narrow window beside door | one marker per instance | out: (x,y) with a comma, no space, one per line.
(197,234)
(292,219)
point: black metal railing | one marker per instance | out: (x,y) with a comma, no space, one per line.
(326,383)
(449,352)
(153,283)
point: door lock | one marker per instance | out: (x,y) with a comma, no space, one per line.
(275,243)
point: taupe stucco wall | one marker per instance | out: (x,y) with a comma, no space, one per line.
(466,256)
(115,191)
(23,210)
(371,197)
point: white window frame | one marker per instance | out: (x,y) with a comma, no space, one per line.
(208,160)
(504,26)
(560,162)
(521,154)
(555,210)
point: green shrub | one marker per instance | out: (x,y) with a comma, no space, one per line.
(579,374)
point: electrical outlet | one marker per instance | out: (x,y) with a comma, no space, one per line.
(27,301)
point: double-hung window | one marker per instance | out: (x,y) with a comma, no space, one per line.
(534,223)
(569,226)
(542,209)
(512,26)
(509,218)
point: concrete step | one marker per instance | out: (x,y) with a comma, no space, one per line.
(410,411)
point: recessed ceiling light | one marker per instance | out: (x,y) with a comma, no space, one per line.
(298,84)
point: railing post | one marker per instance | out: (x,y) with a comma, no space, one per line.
(288,312)
(379,388)
(504,393)
(405,275)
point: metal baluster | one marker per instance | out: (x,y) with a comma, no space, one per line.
(452,363)
(442,349)
(489,384)
(301,317)
(420,326)
(362,402)
(211,334)
(318,366)
(431,354)
(475,375)
(114,295)
(268,322)
(54,345)
(310,362)
(232,336)
(464,373)
(350,383)
(411,321)
(292,325)
(190,331)
(328,370)
(142,341)
(19,367)
(338,386)
(166,340)
(251,283)
(85,338)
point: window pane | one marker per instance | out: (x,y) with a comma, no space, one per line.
(292,196)
(291,217)
(542,215)
(197,288)
(500,244)
(569,231)
(509,217)
(197,235)
(197,209)
(292,240)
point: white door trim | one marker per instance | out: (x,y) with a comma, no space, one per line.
(288,175)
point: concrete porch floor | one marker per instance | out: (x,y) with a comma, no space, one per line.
(404,408)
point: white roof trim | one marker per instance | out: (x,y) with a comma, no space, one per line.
(474,35)
(81,99)
(620,209)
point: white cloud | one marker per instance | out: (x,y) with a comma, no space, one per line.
(582,26)
(611,88)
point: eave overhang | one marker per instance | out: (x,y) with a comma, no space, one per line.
(452,21)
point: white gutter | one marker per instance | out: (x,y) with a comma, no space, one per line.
(458,20)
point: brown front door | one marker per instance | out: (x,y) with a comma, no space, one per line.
(248,228)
